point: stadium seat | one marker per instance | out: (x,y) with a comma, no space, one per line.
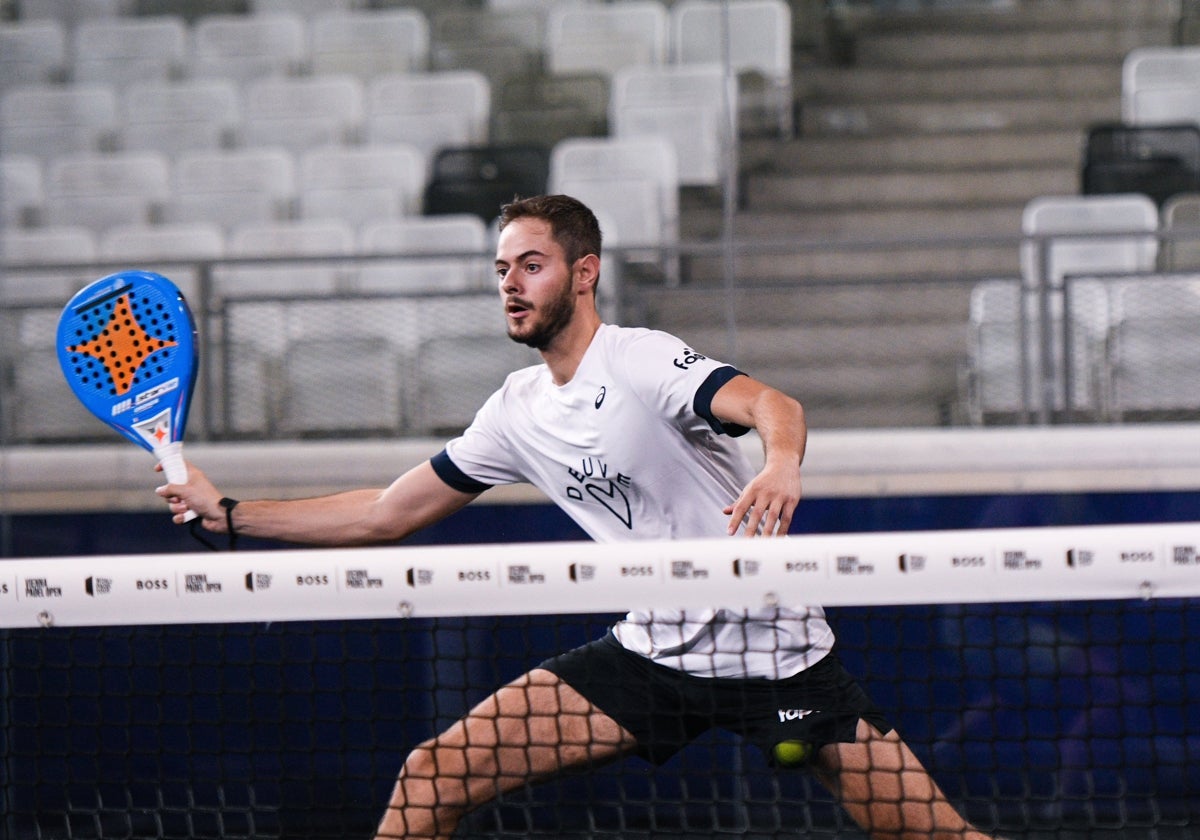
(49,120)
(1156,160)
(32,52)
(1068,240)
(341,385)
(299,113)
(362,183)
(479,179)
(757,39)
(691,104)
(22,191)
(1161,85)
(43,408)
(415,239)
(429,110)
(503,45)
(446,393)
(498,63)
(369,43)
(167,249)
(313,366)
(631,182)
(1004,360)
(1155,349)
(247,47)
(233,187)
(48,246)
(70,13)
(278,241)
(587,37)
(1181,215)
(543,6)
(253,336)
(179,116)
(304,8)
(997,371)
(547,109)
(187,241)
(524,26)
(118,51)
(1087,234)
(101,191)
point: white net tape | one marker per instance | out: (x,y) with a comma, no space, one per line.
(919,567)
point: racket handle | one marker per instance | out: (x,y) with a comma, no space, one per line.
(170,456)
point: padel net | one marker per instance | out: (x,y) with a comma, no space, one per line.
(1043,675)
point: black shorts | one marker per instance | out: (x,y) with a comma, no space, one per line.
(666,709)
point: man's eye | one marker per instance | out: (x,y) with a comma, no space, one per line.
(500,272)
(532,267)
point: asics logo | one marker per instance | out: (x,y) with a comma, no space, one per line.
(601,395)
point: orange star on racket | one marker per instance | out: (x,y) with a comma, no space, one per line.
(122,345)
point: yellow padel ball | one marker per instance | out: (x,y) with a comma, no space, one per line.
(792,753)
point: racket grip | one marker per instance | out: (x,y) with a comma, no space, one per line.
(170,456)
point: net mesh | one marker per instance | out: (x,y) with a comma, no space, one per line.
(1039,718)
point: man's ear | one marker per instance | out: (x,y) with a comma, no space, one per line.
(587,272)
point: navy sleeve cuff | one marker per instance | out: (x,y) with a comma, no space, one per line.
(449,472)
(702,404)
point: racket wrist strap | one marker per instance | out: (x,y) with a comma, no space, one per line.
(229,504)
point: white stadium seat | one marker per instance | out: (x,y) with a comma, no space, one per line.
(118,51)
(370,42)
(298,113)
(358,184)
(429,110)
(232,187)
(247,47)
(178,116)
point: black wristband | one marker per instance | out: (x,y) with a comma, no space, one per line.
(229,504)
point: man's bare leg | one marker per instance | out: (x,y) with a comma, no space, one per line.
(885,789)
(528,730)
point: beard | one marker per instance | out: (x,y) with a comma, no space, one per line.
(551,319)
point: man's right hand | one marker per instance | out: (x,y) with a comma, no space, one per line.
(198,495)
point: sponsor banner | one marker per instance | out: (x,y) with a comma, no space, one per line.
(966,566)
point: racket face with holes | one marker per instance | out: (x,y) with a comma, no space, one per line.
(127,346)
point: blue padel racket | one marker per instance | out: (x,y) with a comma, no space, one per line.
(127,345)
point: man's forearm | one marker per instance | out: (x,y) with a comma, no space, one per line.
(344,519)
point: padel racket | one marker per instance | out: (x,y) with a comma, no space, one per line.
(127,346)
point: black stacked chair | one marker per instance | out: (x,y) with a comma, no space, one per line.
(479,179)
(1157,160)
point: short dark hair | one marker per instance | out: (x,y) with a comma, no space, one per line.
(572,223)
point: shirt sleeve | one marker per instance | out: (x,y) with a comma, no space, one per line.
(483,455)
(449,472)
(678,382)
(702,404)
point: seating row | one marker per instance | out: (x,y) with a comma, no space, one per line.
(426,109)
(1120,348)
(692,105)
(430,253)
(323,366)
(632,184)
(1088,330)
(562,38)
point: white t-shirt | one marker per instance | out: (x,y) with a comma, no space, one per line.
(629,450)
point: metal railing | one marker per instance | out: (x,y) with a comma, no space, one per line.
(860,350)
